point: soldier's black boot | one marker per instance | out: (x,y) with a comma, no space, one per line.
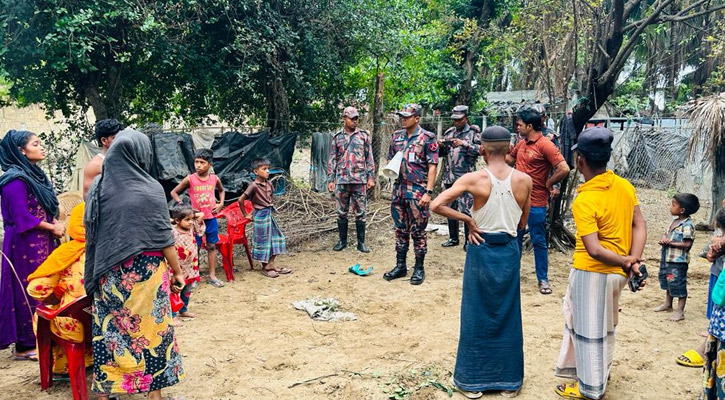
(453,233)
(400,269)
(418,272)
(360,228)
(342,230)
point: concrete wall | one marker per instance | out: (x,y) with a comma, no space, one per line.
(30,118)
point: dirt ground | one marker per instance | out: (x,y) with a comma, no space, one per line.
(248,342)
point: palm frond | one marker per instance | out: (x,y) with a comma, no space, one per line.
(707,122)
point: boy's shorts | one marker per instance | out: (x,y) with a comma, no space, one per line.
(211,233)
(673,278)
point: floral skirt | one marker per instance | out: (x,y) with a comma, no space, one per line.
(134,347)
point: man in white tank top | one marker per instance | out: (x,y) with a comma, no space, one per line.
(491,295)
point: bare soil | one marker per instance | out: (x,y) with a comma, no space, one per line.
(248,342)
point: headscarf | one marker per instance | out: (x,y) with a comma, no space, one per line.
(69,252)
(17,166)
(126,210)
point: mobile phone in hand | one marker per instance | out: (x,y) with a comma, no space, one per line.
(635,282)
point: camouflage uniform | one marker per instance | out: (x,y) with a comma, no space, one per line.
(351,165)
(409,218)
(460,160)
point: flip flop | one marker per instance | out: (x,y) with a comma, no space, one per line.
(570,391)
(465,393)
(31,356)
(215,282)
(269,273)
(510,393)
(690,358)
(357,270)
(283,271)
(544,287)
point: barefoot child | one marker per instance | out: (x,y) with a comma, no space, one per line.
(676,244)
(268,239)
(187,224)
(201,185)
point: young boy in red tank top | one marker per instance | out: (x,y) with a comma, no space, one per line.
(201,185)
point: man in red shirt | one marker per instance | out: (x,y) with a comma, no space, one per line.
(537,158)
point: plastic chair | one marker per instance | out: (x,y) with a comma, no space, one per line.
(236,234)
(66,202)
(79,310)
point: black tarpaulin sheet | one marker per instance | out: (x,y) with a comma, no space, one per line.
(173,156)
(234,152)
(321,142)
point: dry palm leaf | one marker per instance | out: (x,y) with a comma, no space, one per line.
(707,121)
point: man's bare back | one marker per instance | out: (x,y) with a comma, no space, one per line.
(91,171)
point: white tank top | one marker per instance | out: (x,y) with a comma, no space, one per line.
(501,213)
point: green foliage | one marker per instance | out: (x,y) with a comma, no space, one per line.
(405,385)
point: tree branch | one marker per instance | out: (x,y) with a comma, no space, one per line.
(692,7)
(680,18)
(623,54)
(630,7)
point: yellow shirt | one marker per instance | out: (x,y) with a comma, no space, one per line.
(604,204)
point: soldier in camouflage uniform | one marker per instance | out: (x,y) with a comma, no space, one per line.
(351,172)
(412,191)
(460,147)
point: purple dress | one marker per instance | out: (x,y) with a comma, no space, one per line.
(27,247)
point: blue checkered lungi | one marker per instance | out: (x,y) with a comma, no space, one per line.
(268,239)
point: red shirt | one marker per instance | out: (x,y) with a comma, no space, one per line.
(201,194)
(536,158)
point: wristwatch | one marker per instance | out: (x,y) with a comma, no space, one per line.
(429,192)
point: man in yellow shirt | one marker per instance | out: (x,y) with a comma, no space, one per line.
(610,238)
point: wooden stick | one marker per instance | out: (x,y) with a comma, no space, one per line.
(311,380)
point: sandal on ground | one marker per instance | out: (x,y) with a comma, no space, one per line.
(358,270)
(283,271)
(465,393)
(29,356)
(270,273)
(690,358)
(511,393)
(215,282)
(570,391)
(544,287)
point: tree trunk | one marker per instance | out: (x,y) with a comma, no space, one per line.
(472,52)
(718,179)
(377,138)
(469,64)
(94,98)
(278,116)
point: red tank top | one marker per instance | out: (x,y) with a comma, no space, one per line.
(201,193)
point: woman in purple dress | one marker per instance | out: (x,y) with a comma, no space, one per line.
(29,207)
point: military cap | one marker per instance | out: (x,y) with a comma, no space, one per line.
(350,112)
(410,110)
(459,112)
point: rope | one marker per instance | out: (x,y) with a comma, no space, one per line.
(20,282)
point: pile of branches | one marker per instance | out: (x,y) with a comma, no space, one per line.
(304,214)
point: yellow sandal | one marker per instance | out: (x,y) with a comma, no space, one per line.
(570,391)
(690,358)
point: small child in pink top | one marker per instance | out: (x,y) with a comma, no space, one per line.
(201,185)
(187,224)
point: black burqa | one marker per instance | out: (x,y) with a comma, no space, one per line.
(126,211)
(17,166)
